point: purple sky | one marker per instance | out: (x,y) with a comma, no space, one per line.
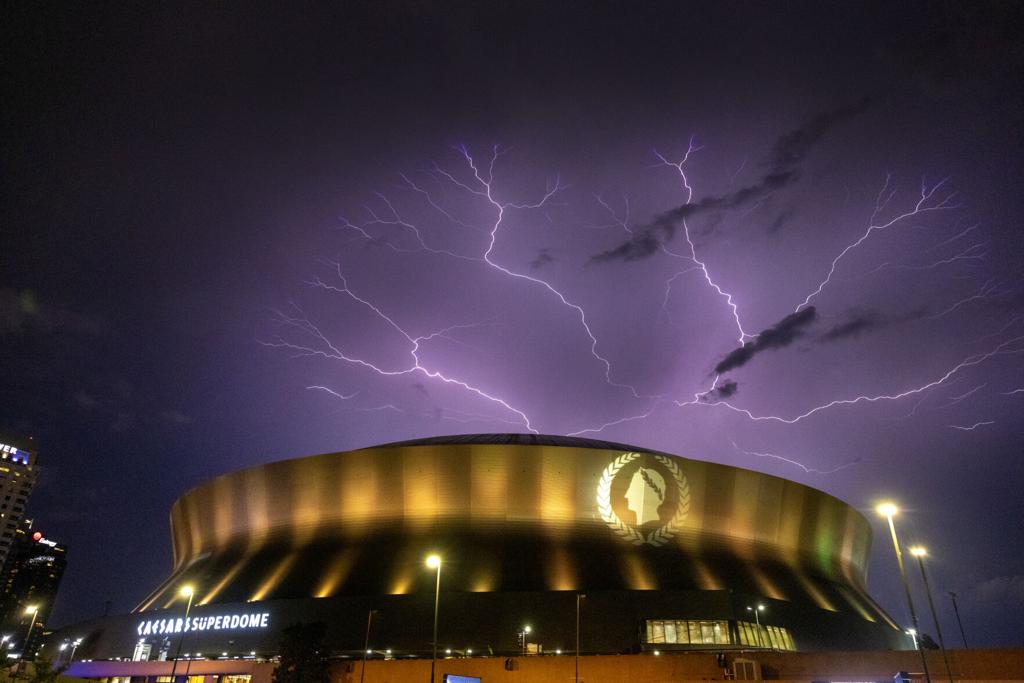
(226,234)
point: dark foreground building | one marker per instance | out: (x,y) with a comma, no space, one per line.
(29,581)
(670,553)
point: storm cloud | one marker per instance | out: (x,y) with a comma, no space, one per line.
(782,170)
(780,335)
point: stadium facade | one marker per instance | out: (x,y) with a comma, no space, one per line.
(669,552)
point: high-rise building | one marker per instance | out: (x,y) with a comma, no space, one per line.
(28,586)
(18,473)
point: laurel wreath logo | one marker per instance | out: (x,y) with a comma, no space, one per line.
(662,534)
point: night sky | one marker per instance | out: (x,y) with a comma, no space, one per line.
(233,235)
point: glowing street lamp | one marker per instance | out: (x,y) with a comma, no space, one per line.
(522,636)
(366,645)
(889,510)
(434,562)
(34,611)
(74,646)
(920,552)
(757,620)
(186,592)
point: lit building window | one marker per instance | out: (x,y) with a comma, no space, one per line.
(705,632)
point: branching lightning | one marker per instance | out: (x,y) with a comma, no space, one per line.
(966,363)
(325,348)
(925,204)
(688,189)
(805,468)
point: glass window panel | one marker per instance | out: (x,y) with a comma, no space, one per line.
(650,633)
(694,632)
(659,632)
(721,633)
(670,631)
(707,633)
(789,640)
(682,632)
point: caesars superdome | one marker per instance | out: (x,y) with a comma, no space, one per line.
(669,552)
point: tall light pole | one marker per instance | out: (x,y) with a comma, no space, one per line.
(522,636)
(579,597)
(74,646)
(186,592)
(757,620)
(919,552)
(956,611)
(889,510)
(434,562)
(366,645)
(34,611)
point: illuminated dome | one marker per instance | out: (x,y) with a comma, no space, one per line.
(524,522)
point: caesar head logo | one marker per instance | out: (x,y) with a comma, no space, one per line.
(643,498)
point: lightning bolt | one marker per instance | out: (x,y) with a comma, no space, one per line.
(688,189)
(986,291)
(957,399)
(969,254)
(924,204)
(485,188)
(805,468)
(326,349)
(972,427)
(966,363)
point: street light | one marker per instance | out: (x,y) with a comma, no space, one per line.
(757,620)
(434,562)
(889,510)
(920,552)
(34,611)
(579,597)
(522,636)
(366,645)
(185,592)
(956,610)
(74,646)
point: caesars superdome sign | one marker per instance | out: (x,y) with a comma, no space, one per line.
(220,622)
(644,498)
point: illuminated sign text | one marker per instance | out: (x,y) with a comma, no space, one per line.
(216,623)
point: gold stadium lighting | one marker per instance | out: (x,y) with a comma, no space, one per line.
(434,562)
(920,553)
(889,510)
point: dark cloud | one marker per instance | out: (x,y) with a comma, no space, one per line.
(781,220)
(791,149)
(782,334)
(857,322)
(544,257)
(854,327)
(782,170)
(723,390)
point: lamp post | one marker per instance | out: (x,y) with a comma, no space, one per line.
(74,646)
(34,611)
(434,562)
(186,592)
(889,510)
(366,645)
(952,596)
(757,620)
(522,636)
(579,598)
(919,552)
